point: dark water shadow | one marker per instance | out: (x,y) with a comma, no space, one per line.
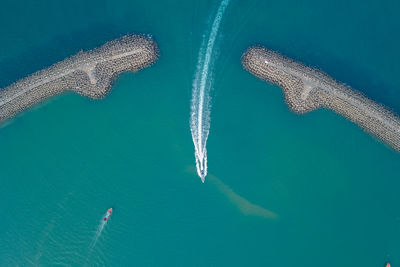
(60,47)
(355,76)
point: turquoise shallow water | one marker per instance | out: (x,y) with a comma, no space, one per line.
(282,190)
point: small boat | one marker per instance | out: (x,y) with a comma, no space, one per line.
(109,212)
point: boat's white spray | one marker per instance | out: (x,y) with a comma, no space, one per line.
(99,230)
(96,237)
(200,105)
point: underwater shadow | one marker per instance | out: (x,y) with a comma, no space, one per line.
(59,48)
(357,77)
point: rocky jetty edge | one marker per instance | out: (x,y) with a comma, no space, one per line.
(89,73)
(307,89)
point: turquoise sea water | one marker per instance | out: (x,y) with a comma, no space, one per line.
(282,189)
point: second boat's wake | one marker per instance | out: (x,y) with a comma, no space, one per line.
(100,227)
(200,104)
(99,230)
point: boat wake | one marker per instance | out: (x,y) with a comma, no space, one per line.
(99,230)
(96,237)
(200,104)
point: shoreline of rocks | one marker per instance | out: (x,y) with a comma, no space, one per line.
(307,89)
(89,73)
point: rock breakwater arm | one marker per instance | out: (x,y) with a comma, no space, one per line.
(307,89)
(88,73)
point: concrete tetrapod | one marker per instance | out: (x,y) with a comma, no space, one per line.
(88,73)
(307,89)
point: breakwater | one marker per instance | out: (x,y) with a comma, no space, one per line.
(89,73)
(307,89)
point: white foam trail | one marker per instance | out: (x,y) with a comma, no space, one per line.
(200,104)
(98,233)
(100,229)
